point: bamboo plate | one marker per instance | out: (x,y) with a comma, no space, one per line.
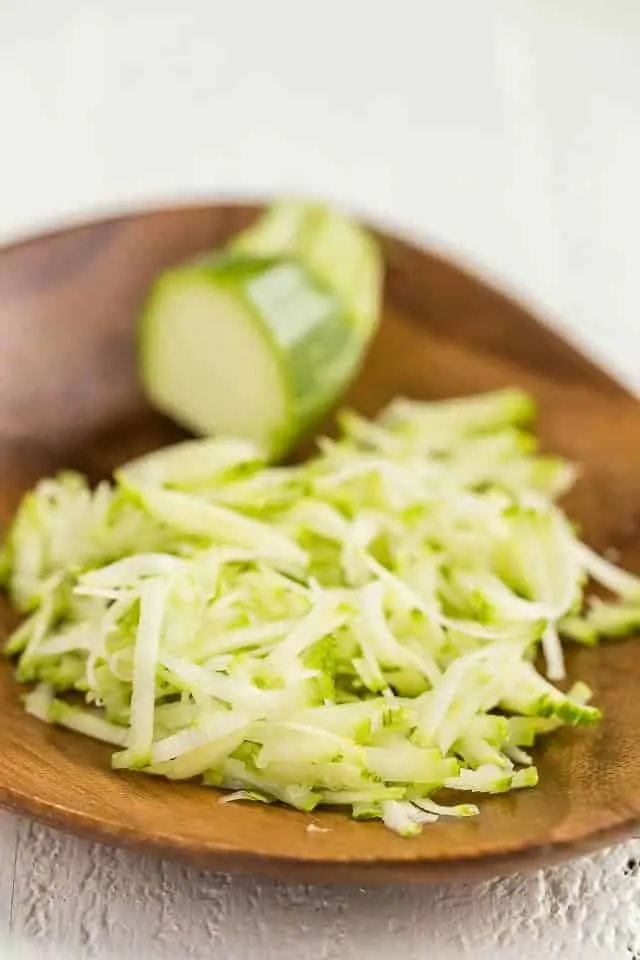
(69,397)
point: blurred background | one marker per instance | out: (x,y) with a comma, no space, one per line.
(504,131)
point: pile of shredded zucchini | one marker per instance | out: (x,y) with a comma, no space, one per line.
(359,630)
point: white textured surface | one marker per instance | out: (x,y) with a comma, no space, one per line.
(505,131)
(8,851)
(77,900)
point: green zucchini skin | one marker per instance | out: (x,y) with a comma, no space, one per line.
(336,250)
(254,342)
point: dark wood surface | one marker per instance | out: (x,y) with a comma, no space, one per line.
(69,397)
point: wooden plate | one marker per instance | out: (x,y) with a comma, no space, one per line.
(69,397)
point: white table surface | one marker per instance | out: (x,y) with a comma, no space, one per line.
(505,132)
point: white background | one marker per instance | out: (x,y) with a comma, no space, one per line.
(503,131)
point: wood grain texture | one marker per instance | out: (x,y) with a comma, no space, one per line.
(69,397)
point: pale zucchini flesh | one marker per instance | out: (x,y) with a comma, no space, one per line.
(259,340)
(193,334)
(245,348)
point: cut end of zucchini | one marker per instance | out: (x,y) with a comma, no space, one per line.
(206,362)
(260,340)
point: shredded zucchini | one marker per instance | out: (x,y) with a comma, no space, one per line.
(359,630)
